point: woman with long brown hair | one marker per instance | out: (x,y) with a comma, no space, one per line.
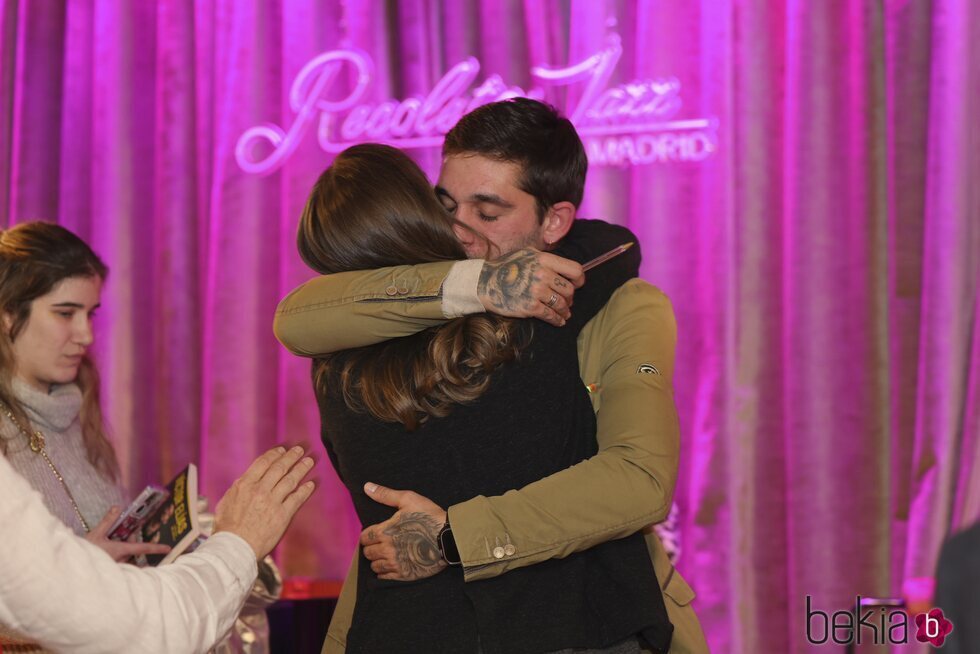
(477,406)
(51,426)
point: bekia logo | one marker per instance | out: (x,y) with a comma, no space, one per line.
(878,626)
(933,627)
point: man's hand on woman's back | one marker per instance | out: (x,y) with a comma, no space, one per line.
(529,283)
(405,546)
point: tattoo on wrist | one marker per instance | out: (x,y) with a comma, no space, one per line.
(507,283)
(414,537)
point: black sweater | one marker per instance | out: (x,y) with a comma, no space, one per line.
(535,419)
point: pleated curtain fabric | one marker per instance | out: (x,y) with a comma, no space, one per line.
(823,261)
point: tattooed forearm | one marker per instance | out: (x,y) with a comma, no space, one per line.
(506,283)
(414,537)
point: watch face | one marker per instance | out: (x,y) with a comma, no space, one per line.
(447,546)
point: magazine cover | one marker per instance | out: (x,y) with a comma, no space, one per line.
(175,522)
(137,513)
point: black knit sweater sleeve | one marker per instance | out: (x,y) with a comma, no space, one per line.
(587,240)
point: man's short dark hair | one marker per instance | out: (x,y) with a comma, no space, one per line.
(532,134)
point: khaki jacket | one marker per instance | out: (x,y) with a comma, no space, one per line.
(626,351)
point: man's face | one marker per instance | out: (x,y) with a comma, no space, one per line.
(483,194)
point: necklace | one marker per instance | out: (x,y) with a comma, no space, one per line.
(36,441)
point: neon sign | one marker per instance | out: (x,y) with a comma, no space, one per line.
(633,123)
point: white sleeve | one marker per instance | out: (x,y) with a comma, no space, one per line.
(70,596)
(459,291)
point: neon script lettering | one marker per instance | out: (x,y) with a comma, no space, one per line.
(626,124)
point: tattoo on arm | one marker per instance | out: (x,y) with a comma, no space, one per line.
(507,282)
(414,537)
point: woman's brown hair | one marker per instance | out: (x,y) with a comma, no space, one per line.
(34,258)
(373,208)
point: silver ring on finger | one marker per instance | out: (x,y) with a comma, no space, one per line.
(551,302)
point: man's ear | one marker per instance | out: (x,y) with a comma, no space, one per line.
(557,221)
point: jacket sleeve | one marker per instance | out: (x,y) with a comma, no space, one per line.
(69,595)
(343,614)
(628,351)
(352,309)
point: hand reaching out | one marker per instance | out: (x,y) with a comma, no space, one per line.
(261,503)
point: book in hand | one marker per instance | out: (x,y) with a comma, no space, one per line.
(175,522)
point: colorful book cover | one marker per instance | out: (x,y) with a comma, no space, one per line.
(175,523)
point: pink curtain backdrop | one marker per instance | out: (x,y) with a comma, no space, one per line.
(823,261)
